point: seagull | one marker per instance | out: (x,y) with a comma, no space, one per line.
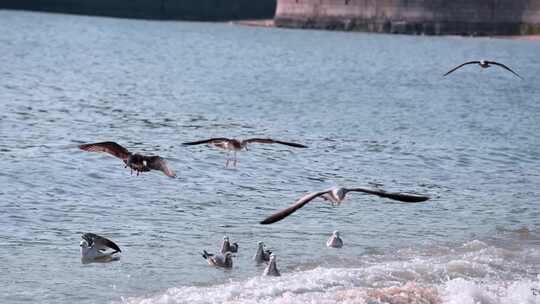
(226,246)
(137,162)
(336,195)
(271,269)
(238,145)
(95,248)
(262,254)
(220,260)
(484,64)
(334,241)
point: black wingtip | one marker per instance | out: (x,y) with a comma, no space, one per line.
(267,221)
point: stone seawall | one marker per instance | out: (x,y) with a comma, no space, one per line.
(431,17)
(204,10)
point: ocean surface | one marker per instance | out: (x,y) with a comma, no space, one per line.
(374,110)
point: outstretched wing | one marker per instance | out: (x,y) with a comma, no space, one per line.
(505,67)
(99,242)
(459,66)
(107,147)
(158,163)
(278,216)
(271,141)
(409,198)
(206,141)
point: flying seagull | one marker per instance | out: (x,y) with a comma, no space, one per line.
(334,241)
(336,195)
(271,269)
(95,248)
(262,254)
(219,260)
(484,64)
(139,163)
(235,145)
(226,246)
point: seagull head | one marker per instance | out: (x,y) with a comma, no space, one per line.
(336,233)
(84,244)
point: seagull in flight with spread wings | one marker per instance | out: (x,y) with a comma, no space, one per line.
(136,162)
(235,145)
(484,64)
(336,195)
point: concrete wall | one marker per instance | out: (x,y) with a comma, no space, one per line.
(206,10)
(463,17)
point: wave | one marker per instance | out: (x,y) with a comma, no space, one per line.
(474,272)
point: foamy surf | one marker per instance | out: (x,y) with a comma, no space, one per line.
(472,273)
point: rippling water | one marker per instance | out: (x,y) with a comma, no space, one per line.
(374,110)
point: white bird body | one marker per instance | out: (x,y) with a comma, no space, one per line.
(262,255)
(219,260)
(226,246)
(95,248)
(271,268)
(334,241)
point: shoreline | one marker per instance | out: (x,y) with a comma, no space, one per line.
(271,23)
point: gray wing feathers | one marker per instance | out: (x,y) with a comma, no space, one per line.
(461,65)
(100,242)
(288,211)
(505,67)
(409,198)
(271,141)
(158,163)
(107,147)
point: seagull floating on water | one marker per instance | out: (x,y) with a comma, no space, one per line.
(219,260)
(484,64)
(262,255)
(95,248)
(236,145)
(137,162)
(226,246)
(336,195)
(271,268)
(334,241)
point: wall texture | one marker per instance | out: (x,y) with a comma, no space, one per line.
(432,17)
(205,10)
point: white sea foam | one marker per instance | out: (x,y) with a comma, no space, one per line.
(469,274)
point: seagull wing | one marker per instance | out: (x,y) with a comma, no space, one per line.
(99,242)
(459,66)
(409,198)
(505,67)
(158,163)
(206,141)
(107,147)
(271,141)
(278,216)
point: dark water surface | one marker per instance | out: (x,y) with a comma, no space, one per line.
(374,110)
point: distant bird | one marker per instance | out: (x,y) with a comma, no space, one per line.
(137,162)
(226,246)
(484,64)
(334,241)
(219,260)
(95,248)
(262,255)
(336,195)
(237,145)
(271,269)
